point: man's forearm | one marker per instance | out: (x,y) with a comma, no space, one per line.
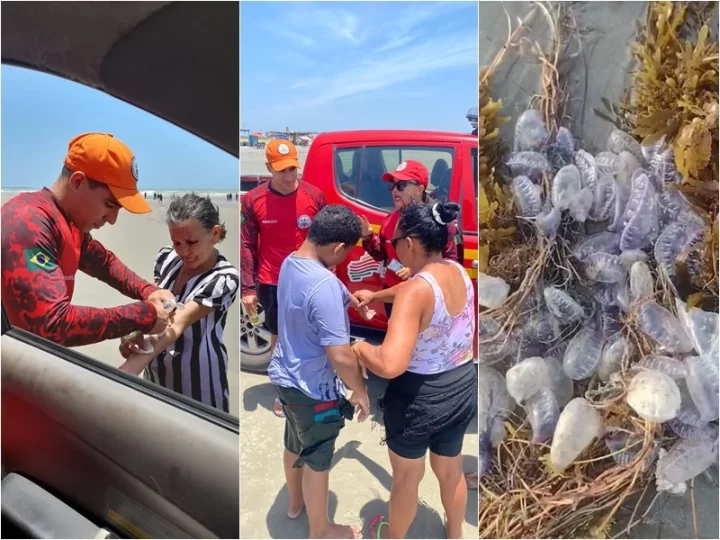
(74,326)
(102,264)
(347,368)
(247,271)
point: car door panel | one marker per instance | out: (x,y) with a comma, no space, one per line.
(95,435)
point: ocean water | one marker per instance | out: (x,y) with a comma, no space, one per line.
(166,193)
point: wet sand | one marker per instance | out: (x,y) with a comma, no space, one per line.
(136,239)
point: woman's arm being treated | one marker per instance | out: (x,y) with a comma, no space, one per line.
(183,318)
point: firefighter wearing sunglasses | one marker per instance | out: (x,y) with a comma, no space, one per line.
(408,184)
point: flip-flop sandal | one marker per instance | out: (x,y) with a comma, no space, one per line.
(376,526)
(278,410)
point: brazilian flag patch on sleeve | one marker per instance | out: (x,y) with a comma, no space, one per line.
(36,259)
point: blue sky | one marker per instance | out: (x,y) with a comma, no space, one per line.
(321,66)
(41,113)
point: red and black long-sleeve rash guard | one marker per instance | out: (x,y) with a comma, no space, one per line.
(41,253)
(273,226)
(379,246)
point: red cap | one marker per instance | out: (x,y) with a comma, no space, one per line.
(411,170)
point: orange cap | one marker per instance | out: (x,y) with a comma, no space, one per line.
(281,154)
(105,159)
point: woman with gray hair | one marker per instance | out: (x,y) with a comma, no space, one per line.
(190,356)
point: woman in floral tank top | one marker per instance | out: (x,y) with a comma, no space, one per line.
(427,355)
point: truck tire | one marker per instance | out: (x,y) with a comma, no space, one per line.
(255,352)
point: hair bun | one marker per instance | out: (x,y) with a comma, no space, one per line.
(445,212)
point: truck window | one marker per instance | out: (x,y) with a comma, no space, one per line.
(358,171)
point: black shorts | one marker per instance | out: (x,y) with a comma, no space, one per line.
(267,298)
(312,426)
(430,411)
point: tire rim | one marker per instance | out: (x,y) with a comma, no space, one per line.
(254,338)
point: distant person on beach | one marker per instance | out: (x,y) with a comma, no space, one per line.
(46,240)
(275,219)
(427,354)
(313,364)
(408,185)
(190,356)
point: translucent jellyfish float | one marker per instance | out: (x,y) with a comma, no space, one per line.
(583,353)
(585,163)
(527,378)
(579,423)
(566,186)
(530,132)
(543,413)
(615,350)
(619,141)
(605,268)
(663,327)
(531,164)
(684,461)
(604,242)
(492,291)
(527,196)
(654,396)
(562,305)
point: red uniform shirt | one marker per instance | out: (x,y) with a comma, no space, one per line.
(273,226)
(41,253)
(379,247)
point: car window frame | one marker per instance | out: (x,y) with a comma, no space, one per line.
(206,412)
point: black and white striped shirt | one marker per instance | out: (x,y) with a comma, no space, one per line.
(196,364)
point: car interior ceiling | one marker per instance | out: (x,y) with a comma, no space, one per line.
(177,60)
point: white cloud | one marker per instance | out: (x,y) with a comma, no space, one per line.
(404,65)
(299,22)
(374,46)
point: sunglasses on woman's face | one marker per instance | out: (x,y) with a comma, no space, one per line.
(394,241)
(401,185)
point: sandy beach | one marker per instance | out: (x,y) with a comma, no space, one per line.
(360,478)
(136,239)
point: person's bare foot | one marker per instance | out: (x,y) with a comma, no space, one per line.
(278,409)
(336,530)
(295,510)
(472,480)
